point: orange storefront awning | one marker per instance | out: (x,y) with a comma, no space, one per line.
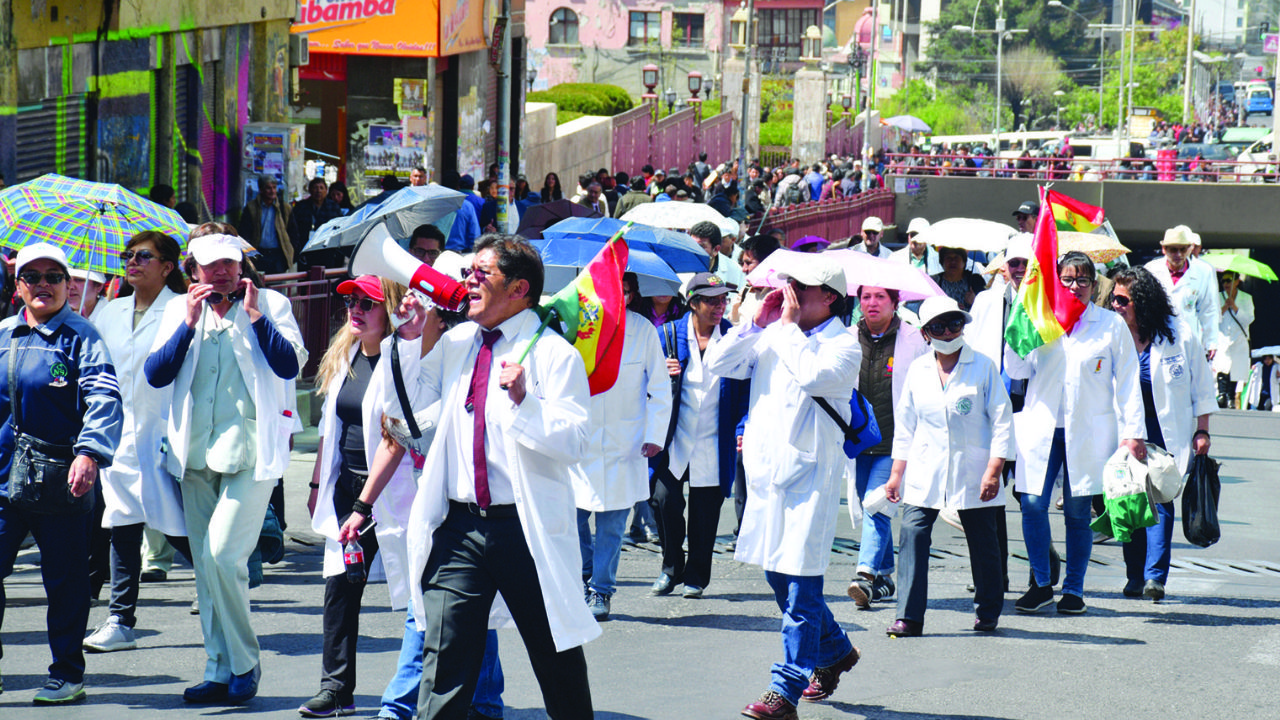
(407,28)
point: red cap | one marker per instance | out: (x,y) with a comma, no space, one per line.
(368,284)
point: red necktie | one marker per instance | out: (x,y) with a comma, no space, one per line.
(475,400)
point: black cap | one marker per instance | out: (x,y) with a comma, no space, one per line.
(1030,207)
(707,284)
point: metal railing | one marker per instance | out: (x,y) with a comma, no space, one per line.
(1083,168)
(319,314)
(835,219)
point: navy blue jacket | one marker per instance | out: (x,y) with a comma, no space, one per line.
(735,395)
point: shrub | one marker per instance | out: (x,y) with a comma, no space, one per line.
(585,98)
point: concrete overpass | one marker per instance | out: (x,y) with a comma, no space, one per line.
(1227,215)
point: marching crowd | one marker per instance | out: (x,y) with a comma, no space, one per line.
(173,403)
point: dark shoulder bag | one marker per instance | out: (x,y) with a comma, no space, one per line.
(39,470)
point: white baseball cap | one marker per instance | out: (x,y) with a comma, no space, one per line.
(1019,247)
(814,269)
(93,275)
(873,223)
(937,306)
(917,225)
(40,251)
(209,248)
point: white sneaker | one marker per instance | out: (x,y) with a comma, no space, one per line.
(111,636)
(59,692)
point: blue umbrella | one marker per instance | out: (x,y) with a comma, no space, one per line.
(563,258)
(402,211)
(679,250)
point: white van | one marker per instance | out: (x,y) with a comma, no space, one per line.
(1257,162)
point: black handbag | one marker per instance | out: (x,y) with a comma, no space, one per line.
(1200,522)
(39,470)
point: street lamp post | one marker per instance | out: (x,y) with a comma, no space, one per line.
(1102,57)
(1001,31)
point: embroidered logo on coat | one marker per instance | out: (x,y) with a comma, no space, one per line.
(59,373)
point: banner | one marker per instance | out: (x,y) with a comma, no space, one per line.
(407,28)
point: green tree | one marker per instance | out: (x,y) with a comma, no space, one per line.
(1030,77)
(947,109)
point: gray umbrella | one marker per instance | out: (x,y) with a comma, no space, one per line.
(402,211)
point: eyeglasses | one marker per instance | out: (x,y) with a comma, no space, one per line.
(480,273)
(941,327)
(216,298)
(1120,301)
(421,253)
(714,301)
(31,277)
(870,233)
(142,256)
(1078,281)
(1016,262)
(365,304)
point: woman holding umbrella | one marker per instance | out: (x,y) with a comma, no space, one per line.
(59,395)
(1232,360)
(1177,396)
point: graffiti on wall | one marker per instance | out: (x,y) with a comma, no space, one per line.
(126,114)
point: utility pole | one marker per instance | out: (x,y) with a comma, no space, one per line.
(749,41)
(1186,81)
(503,122)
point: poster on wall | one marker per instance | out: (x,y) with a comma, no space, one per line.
(412,95)
(414,129)
(472,128)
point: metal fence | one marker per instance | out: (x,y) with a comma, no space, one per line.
(835,220)
(840,138)
(315,307)
(672,142)
(631,139)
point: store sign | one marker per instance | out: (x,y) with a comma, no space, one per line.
(462,25)
(409,28)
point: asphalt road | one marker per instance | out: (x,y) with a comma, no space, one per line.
(1210,650)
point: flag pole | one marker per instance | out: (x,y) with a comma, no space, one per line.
(547,320)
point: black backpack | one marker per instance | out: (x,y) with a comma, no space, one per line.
(795,195)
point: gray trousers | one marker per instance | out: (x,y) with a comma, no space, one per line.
(984,560)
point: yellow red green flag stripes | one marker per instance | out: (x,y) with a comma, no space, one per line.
(1071,214)
(593,314)
(1045,309)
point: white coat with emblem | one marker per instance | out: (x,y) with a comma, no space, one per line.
(391,509)
(1194,297)
(271,394)
(1182,385)
(948,434)
(792,450)
(635,411)
(1091,377)
(544,435)
(135,488)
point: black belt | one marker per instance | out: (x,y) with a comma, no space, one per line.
(493,511)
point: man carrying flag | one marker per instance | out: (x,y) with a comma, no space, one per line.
(1083,396)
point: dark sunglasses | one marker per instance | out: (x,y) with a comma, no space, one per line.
(1016,262)
(940,327)
(365,304)
(870,232)
(217,298)
(424,253)
(1120,301)
(31,277)
(479,273)
(142,256)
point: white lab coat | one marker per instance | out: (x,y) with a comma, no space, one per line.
(1255,385)
(635,411)
(272,395)
(883,251)
(391,509)
(1195,297)
(792,450)
(947,435)
(543,436)
(986,333)
(1233,344)
(1183,388)
(931,264)
(1092,375)
(135,488)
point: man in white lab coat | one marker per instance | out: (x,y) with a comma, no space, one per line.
(795,350)
(1192,285)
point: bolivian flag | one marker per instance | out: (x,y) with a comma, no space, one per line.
(1046,310)
(1071,214)
(592,314)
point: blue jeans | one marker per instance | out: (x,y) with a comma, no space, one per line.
(811,637)
(600,558)
(1146,556)
(875,556)
(400,699)
(1076,514)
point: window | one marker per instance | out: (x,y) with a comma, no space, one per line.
(645,27)
(784,29)
(686,30)
(564,27)
(1239,22)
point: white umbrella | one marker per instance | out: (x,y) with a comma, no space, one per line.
(859,269)
(1268,350)
(678,216)
(968,234)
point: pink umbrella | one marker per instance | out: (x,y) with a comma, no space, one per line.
(859,269)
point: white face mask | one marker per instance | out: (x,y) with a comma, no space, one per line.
(946,347)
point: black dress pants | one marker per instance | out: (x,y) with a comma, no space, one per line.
(472,559)
(342,601)
(704,519)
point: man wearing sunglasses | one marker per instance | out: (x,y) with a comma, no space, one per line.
(1191,284)
(872,230)
(917,252)
(795,350)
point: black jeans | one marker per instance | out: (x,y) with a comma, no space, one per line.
(704,520)
(916,538)
(342,601)
(126,568)
(472,559)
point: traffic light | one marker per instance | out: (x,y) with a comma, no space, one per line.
(1264,28)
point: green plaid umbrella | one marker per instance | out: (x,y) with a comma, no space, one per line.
(90,221)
